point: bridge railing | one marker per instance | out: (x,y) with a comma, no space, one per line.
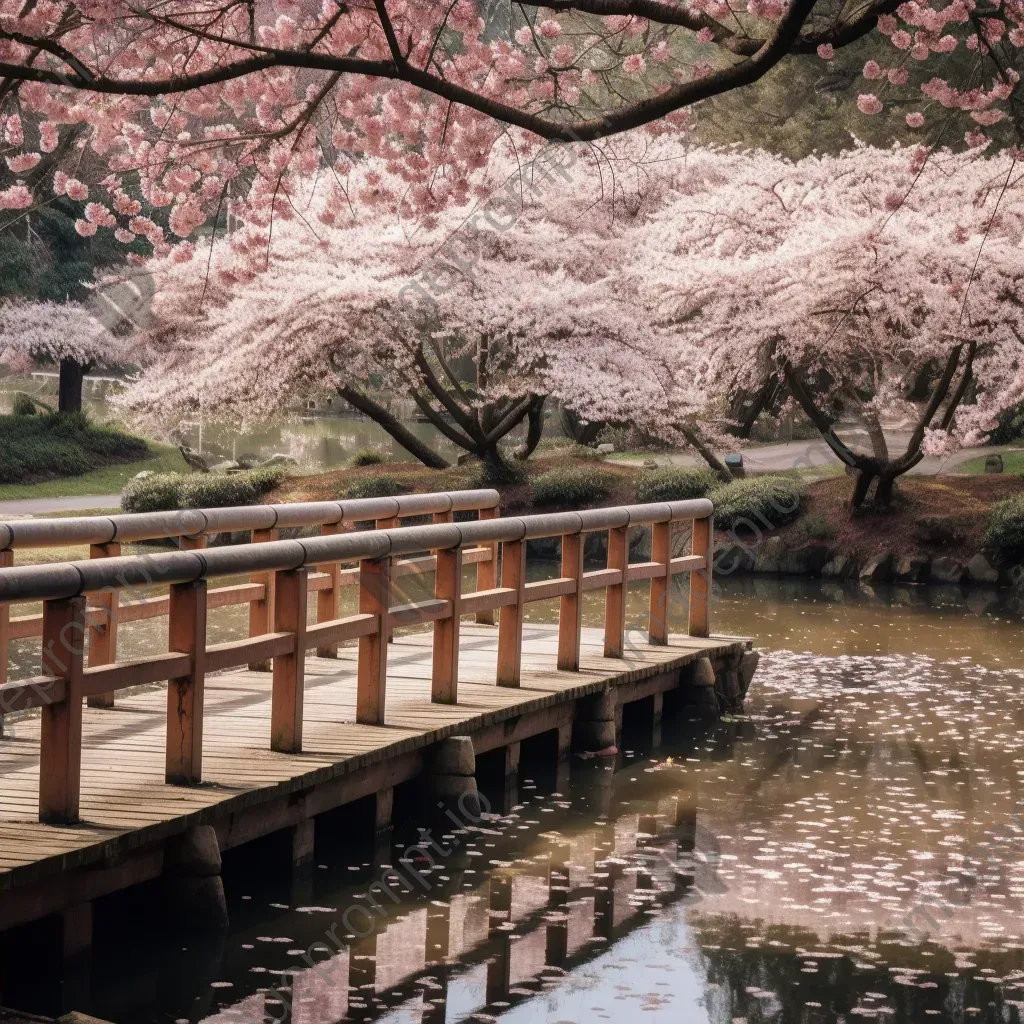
(191,529)
(66,680)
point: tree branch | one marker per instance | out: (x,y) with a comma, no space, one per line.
(405,437)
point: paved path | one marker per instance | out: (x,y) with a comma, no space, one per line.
(40,506)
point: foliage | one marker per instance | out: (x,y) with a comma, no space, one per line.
(1006,527)
(674,484)
(575,487)
(367,457)
(381,485)
(583,453)
(168,491)
(814,526)
(23,405)
(1010,427)
(766,502)
(59,445)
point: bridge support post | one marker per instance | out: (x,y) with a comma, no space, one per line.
(194,888)
(451,777)
(594,729)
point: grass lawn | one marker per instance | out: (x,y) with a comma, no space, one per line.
(162,458)
(1013,462)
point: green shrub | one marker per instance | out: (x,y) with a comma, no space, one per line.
(61,444)
(759,502)
(1006,527)
(384,485)
(814,526)
(573,487)
(674,484)
(367,457)
(163,492)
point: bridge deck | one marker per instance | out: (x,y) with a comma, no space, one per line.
(127,806)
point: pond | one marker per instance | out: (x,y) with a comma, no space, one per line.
(849,848)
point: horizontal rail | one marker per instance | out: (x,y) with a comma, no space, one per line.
(138,526)
(80,598)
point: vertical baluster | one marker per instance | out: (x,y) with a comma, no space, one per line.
(187,635)
(570,609)
(487,572)
(192,543)
(60,740)
(261,613)
(103,634)
(448,587)
(374,599)
(510,619)
(661,586)
(328,601)
(6,560)
(615,594)
(700,579)
(290,590)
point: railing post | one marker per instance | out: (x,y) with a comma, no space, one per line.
(187,635)
(570,608)
(261,613)
(702,544)
(510,618)
(661,586)
(192,543)
(615,594)
(60,739)
(328,601)
(6,561)
(290,590)
(391,523)
(444,688)
(374,599)
(103,635)
(487,572)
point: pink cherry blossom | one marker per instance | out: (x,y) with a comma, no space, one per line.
(868,103)
(915,120)
(85,228)
(549,28)
(872,70)
(634,64)
(826,51)
(22,162)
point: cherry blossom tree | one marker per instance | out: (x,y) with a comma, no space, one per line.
(213,105)
(849,279)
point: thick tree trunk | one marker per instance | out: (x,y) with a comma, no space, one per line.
(496,469)
(699,445)
(534,429)
(405,437)
(69,388)
(574,427)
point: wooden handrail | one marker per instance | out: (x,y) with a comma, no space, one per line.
(191,529)
(65,681)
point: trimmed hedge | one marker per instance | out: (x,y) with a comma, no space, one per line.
(382,486)
(573,487)
(759,502)
(675,484)
(164,492)
(60,444)
(367,457)
(1005,531)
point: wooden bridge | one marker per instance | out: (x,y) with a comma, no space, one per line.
(94,791)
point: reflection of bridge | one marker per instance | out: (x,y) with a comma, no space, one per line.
(511,935)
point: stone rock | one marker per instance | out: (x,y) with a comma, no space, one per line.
(1016,578)
(703,672)
(138,476)
(606,448)
(453,756)
(195,854)
(878,568)
(947,570)
(729,558)
(729,686)
(806,560)
(841,567)
(910,569)
(748,666)
(225,467)
(278,459)
(938,530)
(982,600)
(769,554)
(994,464)
(980,570)
(650,464)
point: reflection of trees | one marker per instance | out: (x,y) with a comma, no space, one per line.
(787,971)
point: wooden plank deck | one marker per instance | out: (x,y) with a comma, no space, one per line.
(127,806)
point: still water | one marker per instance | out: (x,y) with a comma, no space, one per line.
(849,848)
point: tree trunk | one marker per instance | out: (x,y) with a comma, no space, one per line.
(534,429)
(69,388)
(405,437)
(698,444)
(496,469)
